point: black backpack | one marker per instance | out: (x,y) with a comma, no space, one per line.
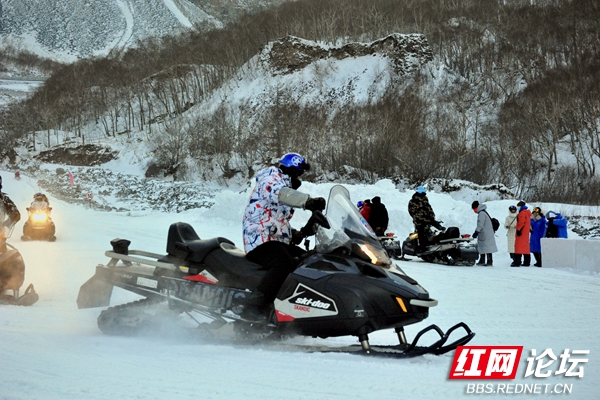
(495,222)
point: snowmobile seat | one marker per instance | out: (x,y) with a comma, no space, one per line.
(184,243)
(451,233)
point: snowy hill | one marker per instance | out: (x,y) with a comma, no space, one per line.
(69,30)
(54,351)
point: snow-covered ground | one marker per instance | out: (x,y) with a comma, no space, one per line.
(53,350)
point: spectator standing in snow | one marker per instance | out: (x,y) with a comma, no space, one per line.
(365,209)
(510,223)
(269,239)
(538,231)
(522,247)
(484,233)
(379,218)
(556,225)
(423,216)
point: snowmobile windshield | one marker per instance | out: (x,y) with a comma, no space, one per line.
(349,229)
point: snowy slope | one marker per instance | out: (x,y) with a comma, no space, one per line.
(68,30)
(52,350)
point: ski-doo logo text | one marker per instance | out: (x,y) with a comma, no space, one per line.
(313,303)
(485,362)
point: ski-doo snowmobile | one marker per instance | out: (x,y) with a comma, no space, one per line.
(346,285)
(447,247)
(391,245)
(12,271)
(39,225)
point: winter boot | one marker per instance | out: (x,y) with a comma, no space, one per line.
(489,262)
(256,307)
(481,259)
(257,298)
(516,261)
(526,260)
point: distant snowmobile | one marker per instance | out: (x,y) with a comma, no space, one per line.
(12,272)
(392,246)
(346,285)
(447,247)
(39,225)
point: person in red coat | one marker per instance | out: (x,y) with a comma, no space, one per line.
(522,239)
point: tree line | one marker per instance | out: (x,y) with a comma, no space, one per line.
(524,88)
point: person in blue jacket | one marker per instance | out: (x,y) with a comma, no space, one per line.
(538,231)
(556,225)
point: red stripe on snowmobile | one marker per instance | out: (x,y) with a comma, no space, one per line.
(281,317)
(200,278)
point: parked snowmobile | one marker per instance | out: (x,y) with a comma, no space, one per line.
(346,285)
(392,246)
(12,271)
(447,247)
(39,225)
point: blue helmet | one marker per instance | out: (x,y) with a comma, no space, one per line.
(360,204)
(421,189)
(294,163)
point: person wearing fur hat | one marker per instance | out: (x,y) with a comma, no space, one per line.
(484,233)
(522,247)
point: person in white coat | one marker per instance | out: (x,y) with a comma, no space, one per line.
(510,223)
(484,233)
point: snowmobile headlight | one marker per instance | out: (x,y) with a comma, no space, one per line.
(39,217)
(376,255)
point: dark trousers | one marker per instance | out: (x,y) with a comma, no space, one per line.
(280,260)
(422,241)
(538,259)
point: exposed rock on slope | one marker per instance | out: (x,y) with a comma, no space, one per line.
(407,52)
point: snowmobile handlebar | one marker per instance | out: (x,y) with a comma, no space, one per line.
(316,219)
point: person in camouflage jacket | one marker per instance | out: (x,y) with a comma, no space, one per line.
(423,216)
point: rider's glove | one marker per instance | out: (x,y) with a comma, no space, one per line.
(297,236)
(475,234)
(315,204)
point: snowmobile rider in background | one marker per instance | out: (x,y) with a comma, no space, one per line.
(40,202)
(269,239)
(423,216)
(378,218)
(484,233)
(7,209)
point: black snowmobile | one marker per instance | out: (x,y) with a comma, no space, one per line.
(346,285)
(447,247)
(391,245)
(12,273)
(39,225)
